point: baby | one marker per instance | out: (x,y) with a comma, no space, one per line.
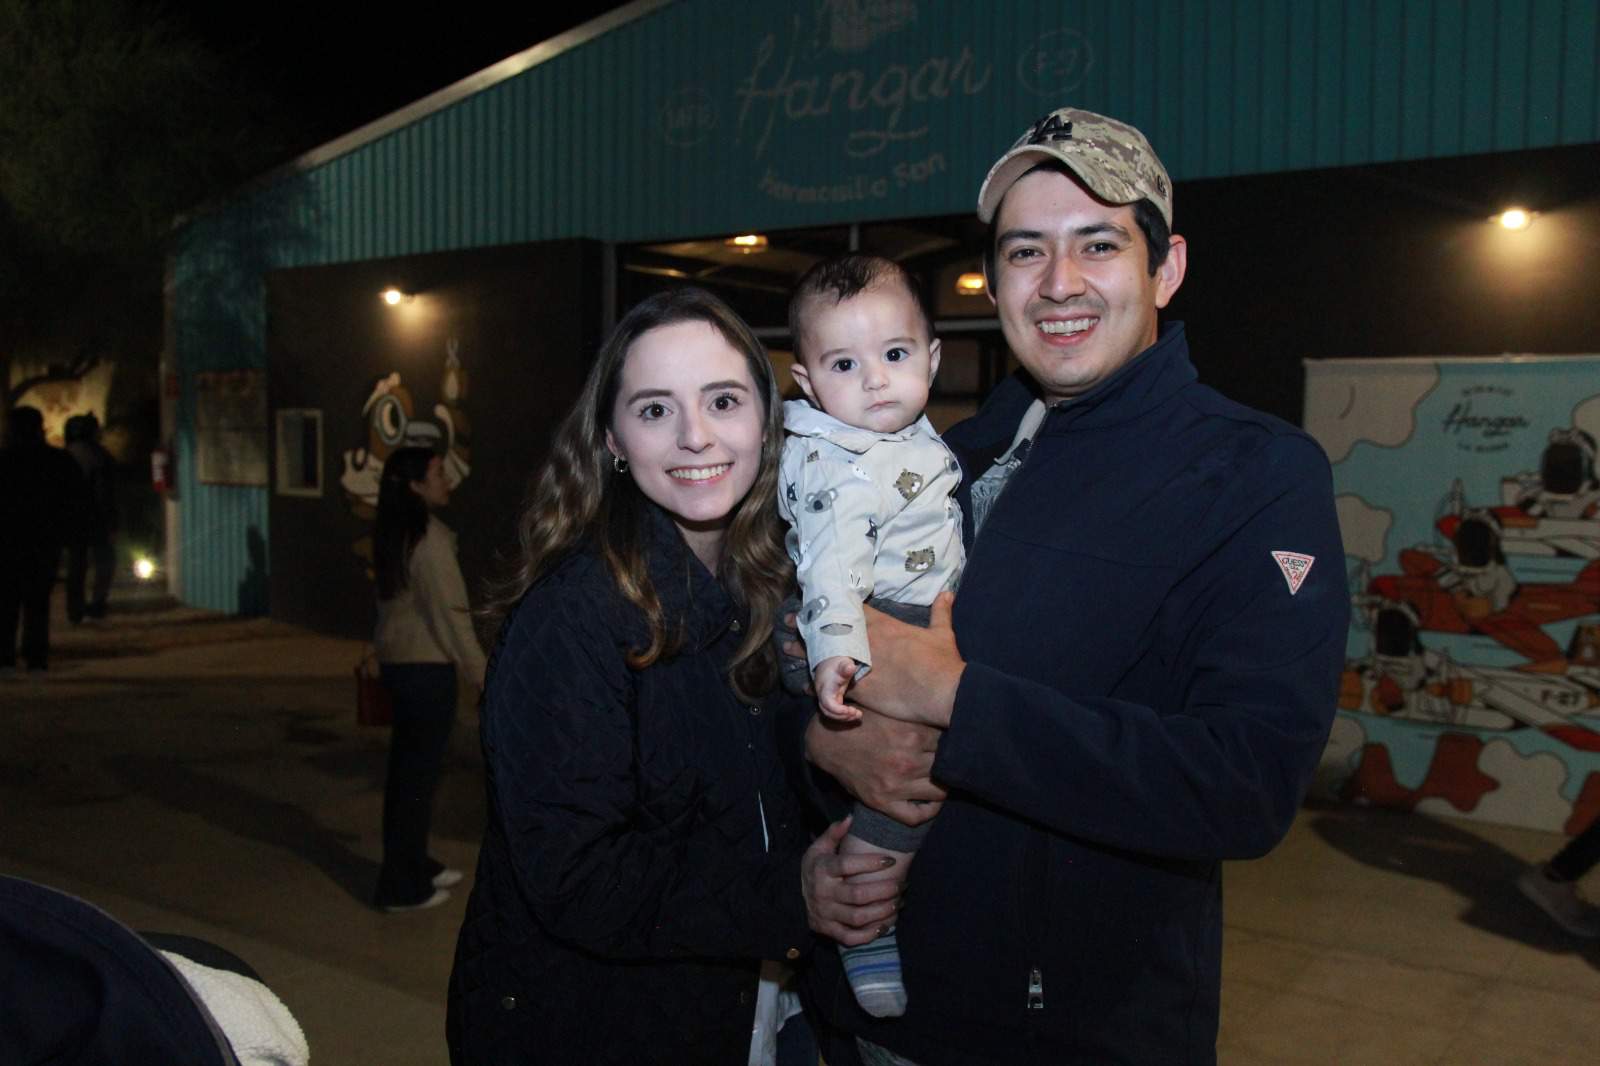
(866,486)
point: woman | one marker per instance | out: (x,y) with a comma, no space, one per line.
(643,849)
(424,637)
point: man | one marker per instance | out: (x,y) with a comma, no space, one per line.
(1142,669)
(99,524)
(40,488)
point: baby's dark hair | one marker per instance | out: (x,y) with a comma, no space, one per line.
(843,278)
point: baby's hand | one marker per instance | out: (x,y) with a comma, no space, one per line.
(831,678)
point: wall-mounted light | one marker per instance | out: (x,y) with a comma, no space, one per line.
(970,284)
(747,242)
(144,568)
(1515,218)
(392,296)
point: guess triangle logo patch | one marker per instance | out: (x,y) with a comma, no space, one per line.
(1295,567)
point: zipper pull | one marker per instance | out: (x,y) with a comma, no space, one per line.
(1035,989)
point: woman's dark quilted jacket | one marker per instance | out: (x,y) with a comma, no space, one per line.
(624,896)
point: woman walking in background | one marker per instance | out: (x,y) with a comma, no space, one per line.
(424,636)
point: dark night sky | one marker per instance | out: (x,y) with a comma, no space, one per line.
(336,66)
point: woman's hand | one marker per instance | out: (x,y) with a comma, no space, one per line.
(850,914)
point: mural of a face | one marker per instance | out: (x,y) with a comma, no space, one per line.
(390,421)
(390,416)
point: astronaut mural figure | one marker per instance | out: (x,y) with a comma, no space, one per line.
(1552,512)
(1473,590)
(1403,678)
(1468,587)
(1565,486)
(391,421)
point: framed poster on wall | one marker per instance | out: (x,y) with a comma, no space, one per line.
(231,427)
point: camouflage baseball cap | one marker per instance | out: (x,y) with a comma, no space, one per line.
(1112,159)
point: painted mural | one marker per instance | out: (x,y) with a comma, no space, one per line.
(1470,508)
(393,417)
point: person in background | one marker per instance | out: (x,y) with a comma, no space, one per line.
(424,639)
(40,487)
(639,881)
(99,521)
(1553,885)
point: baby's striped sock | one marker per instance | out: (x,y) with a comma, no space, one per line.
(874,973)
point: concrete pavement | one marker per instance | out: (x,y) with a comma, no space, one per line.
(203,775)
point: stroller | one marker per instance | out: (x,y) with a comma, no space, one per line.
(78,986)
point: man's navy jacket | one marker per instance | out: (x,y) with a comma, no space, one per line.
(1153,619)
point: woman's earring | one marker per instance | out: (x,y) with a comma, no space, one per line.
(618,463)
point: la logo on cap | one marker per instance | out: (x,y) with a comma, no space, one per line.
(1051,128)
(1295,567)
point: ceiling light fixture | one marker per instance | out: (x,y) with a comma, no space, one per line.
(1515,218)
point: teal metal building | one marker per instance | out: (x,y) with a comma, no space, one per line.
(667,121)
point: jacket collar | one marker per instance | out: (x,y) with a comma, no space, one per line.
(1148,380)
(803,420)
(687,590)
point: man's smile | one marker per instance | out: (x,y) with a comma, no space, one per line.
(1067,326)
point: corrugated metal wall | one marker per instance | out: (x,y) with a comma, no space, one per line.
(709,116)
(219,295)
(578,146)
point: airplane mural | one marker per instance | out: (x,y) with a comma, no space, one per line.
(1401,677)
(1473,590)
(1472,678)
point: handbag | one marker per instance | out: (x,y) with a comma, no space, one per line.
(374,704)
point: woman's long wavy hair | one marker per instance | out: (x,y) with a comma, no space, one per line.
(577,495)
(402,518)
